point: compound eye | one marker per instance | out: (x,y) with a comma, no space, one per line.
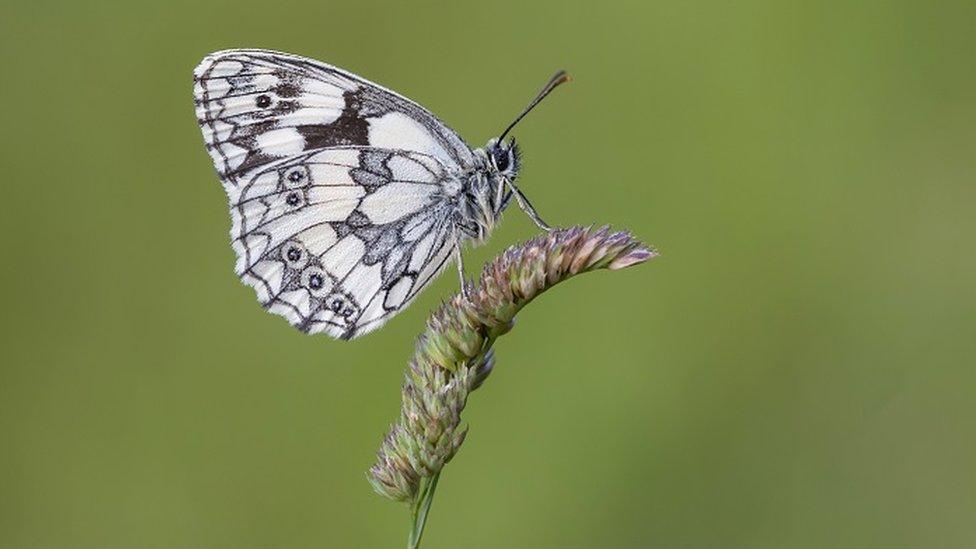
(501,158)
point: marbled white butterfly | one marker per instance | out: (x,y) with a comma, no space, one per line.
(346,198)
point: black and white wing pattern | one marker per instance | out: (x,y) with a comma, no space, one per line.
(339,240)
(256,106)
(341,192)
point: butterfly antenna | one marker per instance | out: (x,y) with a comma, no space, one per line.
(559,78)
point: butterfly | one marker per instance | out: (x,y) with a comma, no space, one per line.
(346,198)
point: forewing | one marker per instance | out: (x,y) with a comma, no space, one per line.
(257,106)
(341,239)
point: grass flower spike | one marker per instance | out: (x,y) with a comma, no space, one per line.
(454,355)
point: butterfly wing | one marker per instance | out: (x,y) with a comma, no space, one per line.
(340,190)
(258,106)
(341,239)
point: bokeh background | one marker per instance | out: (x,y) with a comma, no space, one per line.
(796,371)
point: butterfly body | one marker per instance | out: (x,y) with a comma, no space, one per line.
(346,198)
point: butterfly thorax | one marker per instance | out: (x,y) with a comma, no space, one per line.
(487,189)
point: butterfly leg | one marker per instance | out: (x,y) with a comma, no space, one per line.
(459,259)
(526,206)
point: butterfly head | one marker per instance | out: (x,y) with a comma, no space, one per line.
(496,167)
(504,158)
(491,186)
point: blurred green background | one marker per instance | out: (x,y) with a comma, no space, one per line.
(796,370)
